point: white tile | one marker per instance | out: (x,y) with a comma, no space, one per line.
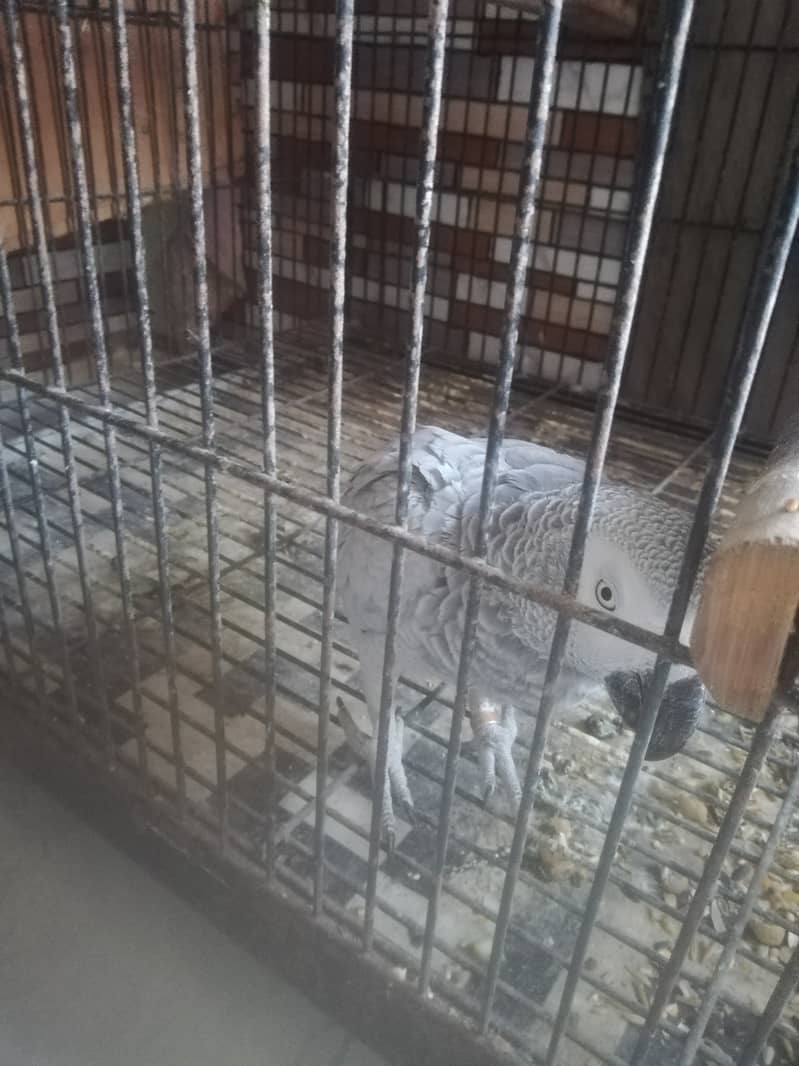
(599,197)
(592,375)
(570,371)
(515,79)
(550,366)
(609,271)
(502,247)
(565,262)
(587,267)
(530,360)
(544,257)
(623,94)
(587,290)
(437,307)
(599,87)
(568,83)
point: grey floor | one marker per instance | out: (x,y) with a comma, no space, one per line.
(101,965)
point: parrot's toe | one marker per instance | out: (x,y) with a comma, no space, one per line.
(495,749)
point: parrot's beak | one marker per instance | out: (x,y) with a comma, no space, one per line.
(678,714)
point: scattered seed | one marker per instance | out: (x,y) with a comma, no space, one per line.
(766,933)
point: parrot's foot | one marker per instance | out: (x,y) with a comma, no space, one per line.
(396,790)
(494,735)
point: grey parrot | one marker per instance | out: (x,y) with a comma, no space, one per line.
(632,559)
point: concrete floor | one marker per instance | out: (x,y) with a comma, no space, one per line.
(101,965)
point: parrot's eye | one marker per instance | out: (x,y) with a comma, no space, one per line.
(605,595)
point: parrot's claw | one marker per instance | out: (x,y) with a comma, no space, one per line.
(396,781)
(494,741)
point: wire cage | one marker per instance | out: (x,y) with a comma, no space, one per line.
(243,247)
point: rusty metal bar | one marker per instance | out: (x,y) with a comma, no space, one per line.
(8,647)
(191,106)
(130,161)
(269,427)
(736,930)
(779,999)
(538,116)
(9,513)
(434,78)
(780,234)
(24,116)
(40,505)
(651,169)
(89,266)
(338,293)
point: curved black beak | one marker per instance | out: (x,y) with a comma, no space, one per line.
(678,714)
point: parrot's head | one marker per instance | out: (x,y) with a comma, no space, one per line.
(630,571)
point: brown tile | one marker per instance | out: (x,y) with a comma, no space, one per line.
(592,132)
(401,141)
(305,59)
(552,336)
(297,298)
(448,239)
(582,37)
(540,280)
(601,236)
(401,69)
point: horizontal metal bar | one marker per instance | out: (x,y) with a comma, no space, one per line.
(677,652)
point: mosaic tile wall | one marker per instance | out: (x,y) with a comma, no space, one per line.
(585,195)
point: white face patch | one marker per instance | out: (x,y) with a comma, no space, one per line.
(611,583)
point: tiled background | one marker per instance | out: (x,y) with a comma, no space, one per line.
(585,194)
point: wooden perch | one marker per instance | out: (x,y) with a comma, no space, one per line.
(748,609)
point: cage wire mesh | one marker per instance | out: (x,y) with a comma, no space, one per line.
(243,245)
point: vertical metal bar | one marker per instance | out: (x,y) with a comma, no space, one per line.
(40,505)
(784,989)
(751,338)
(266,315)
(130,162)
(538,116)
(338,291)
(742,370)
(652,161)
(19,570)
(194,158)
(8,647)
(736,931)
(434,77)
(89,264)
(46,281)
